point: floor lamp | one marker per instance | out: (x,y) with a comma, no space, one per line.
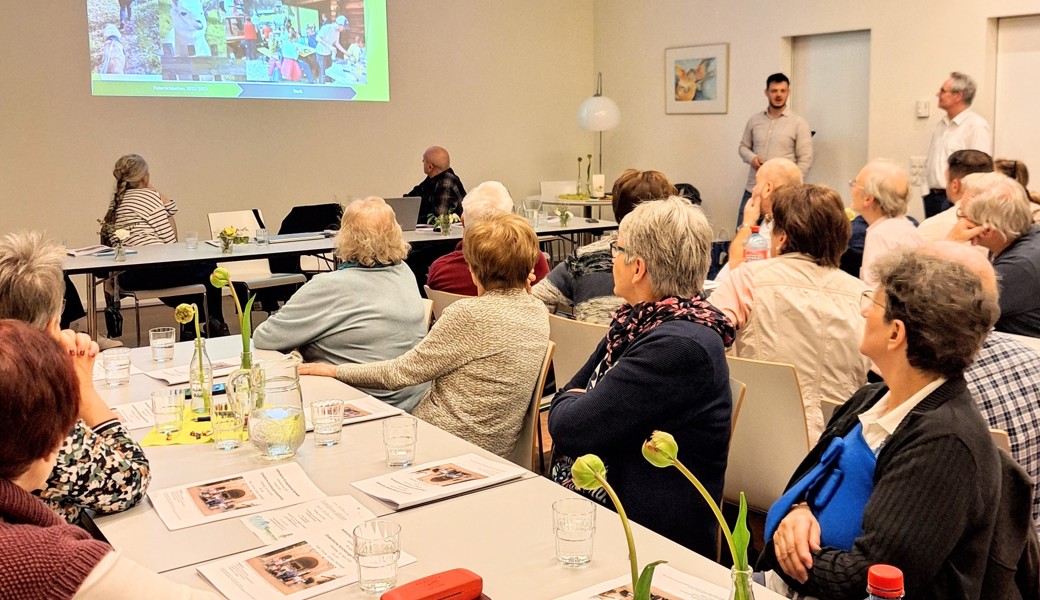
(599,113)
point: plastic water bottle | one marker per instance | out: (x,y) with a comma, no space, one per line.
(884,582)
(756,247)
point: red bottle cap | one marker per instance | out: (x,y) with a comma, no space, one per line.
(754,229)
(885,581)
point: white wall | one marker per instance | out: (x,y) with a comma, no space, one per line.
(498,84)
(914,45)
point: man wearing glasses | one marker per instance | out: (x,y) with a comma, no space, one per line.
(994,213)
(960,129)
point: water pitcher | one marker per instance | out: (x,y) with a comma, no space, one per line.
(276,422)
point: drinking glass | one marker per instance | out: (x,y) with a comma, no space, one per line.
(377,546)
(261,236)
(116,362)
(227,419)
(574,523)
(161,340)
(327,419)
(399,439)
(191,239)
(168,410)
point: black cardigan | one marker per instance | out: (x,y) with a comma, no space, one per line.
(932,511)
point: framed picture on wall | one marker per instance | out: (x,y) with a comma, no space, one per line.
(696,79)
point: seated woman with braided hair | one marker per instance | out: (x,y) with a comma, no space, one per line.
(148,217)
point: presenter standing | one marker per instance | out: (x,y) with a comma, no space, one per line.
(774,133)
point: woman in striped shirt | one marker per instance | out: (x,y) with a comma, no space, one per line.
(148,216)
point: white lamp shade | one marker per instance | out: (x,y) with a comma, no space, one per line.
(598,113)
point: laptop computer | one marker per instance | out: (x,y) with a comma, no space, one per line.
(406,210)
(296,237)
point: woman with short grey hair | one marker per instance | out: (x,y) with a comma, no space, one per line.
(366,311)
(905,472)
(661,366)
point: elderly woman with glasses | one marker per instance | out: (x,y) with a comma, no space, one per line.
(367,310)
(661,366)
(905,473)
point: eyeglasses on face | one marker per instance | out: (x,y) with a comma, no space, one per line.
(615,249)
(866,299)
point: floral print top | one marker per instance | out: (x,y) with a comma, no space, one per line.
(101,469)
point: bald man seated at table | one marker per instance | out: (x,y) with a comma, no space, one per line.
(442,190)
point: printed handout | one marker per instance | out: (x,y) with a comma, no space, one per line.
(668,584)
(438,479)
(297,568)
(179,375)
(235,496)
(310,517)
(136,415)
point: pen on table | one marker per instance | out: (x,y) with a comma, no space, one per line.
(200,419)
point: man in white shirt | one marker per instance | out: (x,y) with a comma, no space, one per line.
(880,194)
(960,129)
(774,133)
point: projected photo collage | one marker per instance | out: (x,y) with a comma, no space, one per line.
(236,48)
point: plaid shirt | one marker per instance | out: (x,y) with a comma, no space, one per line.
(440,194)
(1005,382)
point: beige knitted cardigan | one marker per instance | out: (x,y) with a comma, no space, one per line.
(483,356)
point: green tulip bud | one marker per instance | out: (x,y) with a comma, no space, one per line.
(660,450)
(220,277)
(184,313)
(584,471)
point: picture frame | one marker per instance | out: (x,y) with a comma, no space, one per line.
(696,79)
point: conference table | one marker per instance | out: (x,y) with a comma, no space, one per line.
(157,256)
(502,533)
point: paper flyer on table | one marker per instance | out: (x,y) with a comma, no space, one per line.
(438,479)
(298,568)
(136,415)
(309,518)
(179,375)
(361,409)
(233,496)
(668,584)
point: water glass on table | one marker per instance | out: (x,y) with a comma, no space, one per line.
(377,547)
(399,439)
(191,240)
(227,422)
(327,419)
(116,362)
(168,410)
(161,340)
(574,524)
(261,236)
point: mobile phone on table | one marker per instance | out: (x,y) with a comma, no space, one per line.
(219,388)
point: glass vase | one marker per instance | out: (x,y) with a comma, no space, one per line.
(229,413)
(200,379)
(120,253)
(741,589)
(226,245)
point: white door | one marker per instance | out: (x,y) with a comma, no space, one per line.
(830,87)
(1016,123)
